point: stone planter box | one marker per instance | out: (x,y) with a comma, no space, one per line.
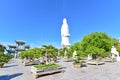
(68,60)
(77,65)
(39,72)
(109,60)
(31,63)
(95,62)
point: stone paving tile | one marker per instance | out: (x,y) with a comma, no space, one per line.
(15,70)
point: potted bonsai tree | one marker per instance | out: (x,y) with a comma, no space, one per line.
(77,64)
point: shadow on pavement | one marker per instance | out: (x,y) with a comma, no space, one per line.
(9,66)
(8,77)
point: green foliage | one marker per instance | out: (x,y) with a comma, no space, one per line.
(76,61)
(96,43)
(61,52)
(2,63)
(81,53)
(5,57)
(49,53)
(31,53)
(97,39)
(46,51)
(68,52)
(79,50)
(2,48)
(76,46)
(95,50)
(46,66)
(118,47)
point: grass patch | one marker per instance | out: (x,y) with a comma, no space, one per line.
(97,61)
(46,66)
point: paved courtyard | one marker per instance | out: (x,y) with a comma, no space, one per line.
(15,70)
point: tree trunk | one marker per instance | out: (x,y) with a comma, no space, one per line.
(46,59)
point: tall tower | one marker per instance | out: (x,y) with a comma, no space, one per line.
(65,34)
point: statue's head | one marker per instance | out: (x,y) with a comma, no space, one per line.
(64,21)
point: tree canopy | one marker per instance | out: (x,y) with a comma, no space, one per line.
(96,43)
(46,51)
(2,48)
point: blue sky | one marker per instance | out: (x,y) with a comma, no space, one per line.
(39,21)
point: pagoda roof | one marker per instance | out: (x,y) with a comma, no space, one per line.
(20,42)
(11,45)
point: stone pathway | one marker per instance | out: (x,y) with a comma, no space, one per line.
(15,70)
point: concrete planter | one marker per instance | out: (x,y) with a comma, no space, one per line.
(39,72)
(95,62)
(77,65)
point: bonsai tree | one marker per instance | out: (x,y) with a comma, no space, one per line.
(79,50)
(49,53)
(2,48)
(31,54)
(4,58)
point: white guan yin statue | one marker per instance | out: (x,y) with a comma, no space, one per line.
(115,53)
(65,34)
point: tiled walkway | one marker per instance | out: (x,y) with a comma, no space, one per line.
(15,70)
